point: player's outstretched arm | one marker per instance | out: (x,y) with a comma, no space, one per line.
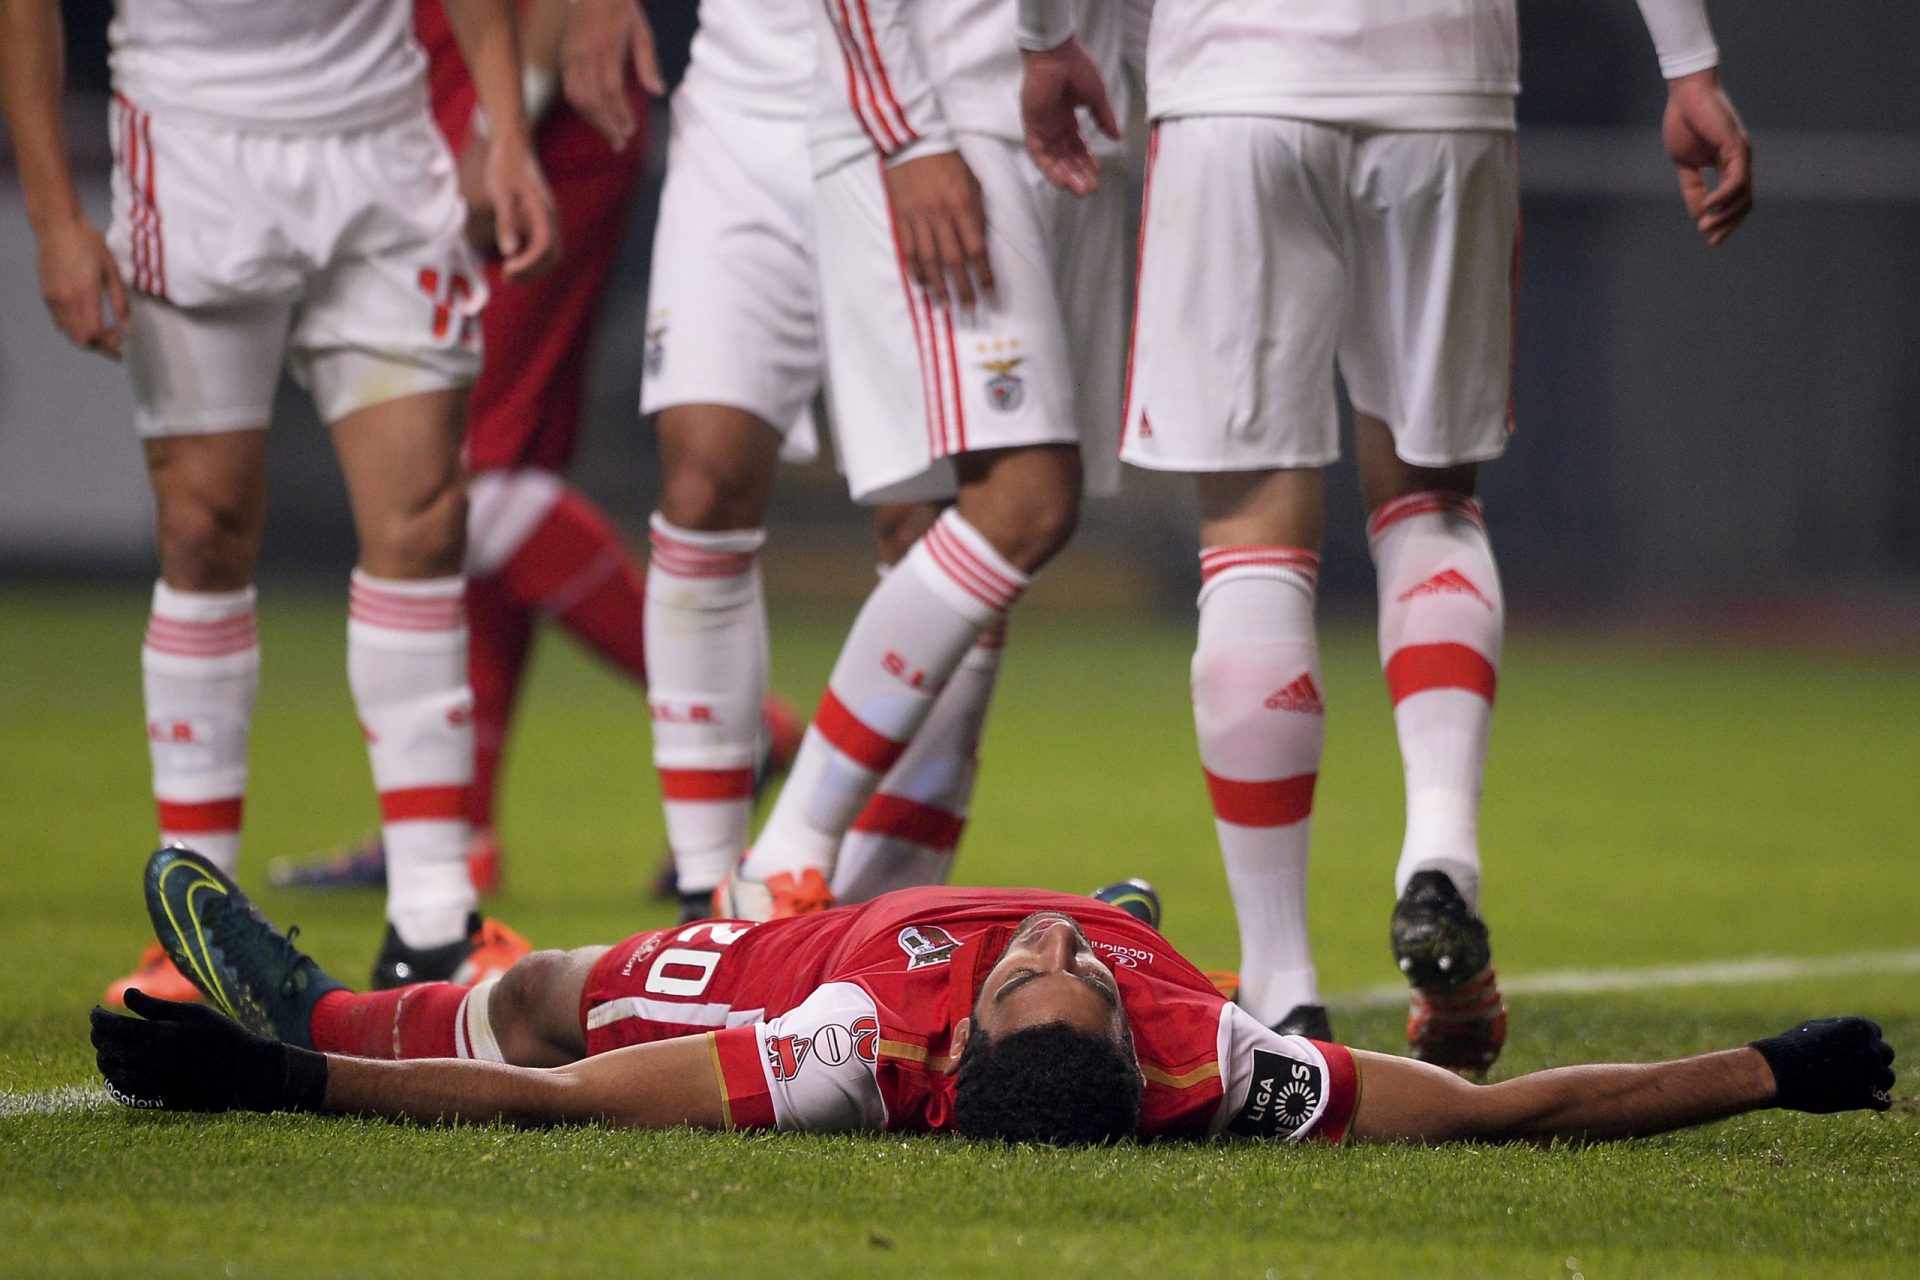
(187,1057)
(601,40)
(1828,1065)
(76,267)
(525,224)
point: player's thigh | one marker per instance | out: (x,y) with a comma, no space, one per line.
(1283,507)
(534,1010)
(1427,344)
(1385,475)
(732,309)
(203,382)
(401,461)
(1242,282)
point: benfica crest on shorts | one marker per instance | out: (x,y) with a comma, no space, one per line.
(927,944)
(1004,389)
(655,354)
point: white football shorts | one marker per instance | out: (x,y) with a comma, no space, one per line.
(912,385)
(733,313)
(340,256)
(1275,250)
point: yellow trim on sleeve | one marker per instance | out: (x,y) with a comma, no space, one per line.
(726,1102)
(1208,1072)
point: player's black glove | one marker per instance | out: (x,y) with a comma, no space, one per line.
(1830,1064)
(186,1057)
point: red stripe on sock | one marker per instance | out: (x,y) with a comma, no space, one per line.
(706,784)
(408,804)
(853,739)
(1421,504)
(206,817)
(1279,802)
(899,818)
(407,1022)
(1420,667)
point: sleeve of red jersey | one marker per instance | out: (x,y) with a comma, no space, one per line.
(810,1069)
(888,85)
(1285,1087)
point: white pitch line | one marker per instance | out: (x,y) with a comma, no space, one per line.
(47,1102)
(1712,973)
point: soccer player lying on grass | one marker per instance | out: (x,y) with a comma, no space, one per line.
(1008,1013)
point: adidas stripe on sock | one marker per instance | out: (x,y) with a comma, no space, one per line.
(1441,624)
(1260,721)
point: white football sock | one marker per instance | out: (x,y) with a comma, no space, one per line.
(909,638)
(473,1035)
(1258,713)
(1441,619)
(200,667)
(907,834)
(407,666)
(706,641)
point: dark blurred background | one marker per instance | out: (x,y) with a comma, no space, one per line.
(1707,439)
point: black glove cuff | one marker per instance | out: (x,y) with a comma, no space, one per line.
(305,1082)
(1794,1076)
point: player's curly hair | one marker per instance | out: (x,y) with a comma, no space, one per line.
(1050,1083)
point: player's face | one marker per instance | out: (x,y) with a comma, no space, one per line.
(1049,973)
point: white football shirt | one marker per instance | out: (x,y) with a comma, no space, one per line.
(902,77)
(1390,64)
(269,66)
(754,57)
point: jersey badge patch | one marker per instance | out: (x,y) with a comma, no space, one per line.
(927,945)
(1283,1096)
(654,357)
(1005,389)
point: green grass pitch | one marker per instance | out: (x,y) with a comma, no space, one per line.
(1646,807)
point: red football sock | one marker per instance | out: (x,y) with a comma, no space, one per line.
(575,566)
(406,1022)
(500,632)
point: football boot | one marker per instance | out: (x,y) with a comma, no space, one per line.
(1134,896)
(155,974)
(781,896)
(488,950)
(1309,1020)
(246,968)
(1456,1017)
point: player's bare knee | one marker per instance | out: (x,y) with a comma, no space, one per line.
(206,545)
(534,1010)
(711,495)
(1026,502)
(427,539)
(898,525)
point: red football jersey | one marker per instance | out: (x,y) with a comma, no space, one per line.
(844,1020)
